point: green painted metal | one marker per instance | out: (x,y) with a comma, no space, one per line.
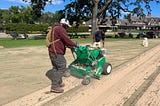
(89,62)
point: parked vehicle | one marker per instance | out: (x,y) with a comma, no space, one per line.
(157,33)
(150,34)
(123,35)
(130,35)
(141,35)
(15,35)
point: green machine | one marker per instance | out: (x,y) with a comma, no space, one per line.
(89,62)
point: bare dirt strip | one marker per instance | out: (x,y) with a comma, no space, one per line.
(134,70)
(124,86)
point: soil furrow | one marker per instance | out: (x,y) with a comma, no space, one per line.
(141,90)
(120,85)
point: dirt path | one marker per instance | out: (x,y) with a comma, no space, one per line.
(128,75)
(122,87)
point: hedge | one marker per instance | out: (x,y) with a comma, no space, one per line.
(1,27)
(38,28)
(78,29)
(25,28)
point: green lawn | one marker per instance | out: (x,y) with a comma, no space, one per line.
(10,43)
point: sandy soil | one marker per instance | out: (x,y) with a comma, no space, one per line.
(133,81)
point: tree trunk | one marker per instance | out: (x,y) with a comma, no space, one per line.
(94,17)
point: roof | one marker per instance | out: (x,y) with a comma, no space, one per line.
(132,21)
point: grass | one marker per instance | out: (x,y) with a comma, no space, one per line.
(10,43)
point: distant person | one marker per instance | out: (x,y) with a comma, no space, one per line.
(25,36)
(145,42)
(98,37)
(56,53)
(14,35)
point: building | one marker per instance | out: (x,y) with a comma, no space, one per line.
(131,22)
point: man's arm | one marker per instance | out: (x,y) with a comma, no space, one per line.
(67,41)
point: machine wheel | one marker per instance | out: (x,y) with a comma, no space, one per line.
(86,80)
(107,68)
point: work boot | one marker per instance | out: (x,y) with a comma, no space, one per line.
(57,90)
(62,85)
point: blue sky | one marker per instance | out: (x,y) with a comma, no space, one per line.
(59,4)
(56,4)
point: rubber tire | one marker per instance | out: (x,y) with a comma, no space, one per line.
(86,81)
(107,68)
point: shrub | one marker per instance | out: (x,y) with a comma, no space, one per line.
(25,28)
(78,29)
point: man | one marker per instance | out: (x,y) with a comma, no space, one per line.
(98,36)
(56,53)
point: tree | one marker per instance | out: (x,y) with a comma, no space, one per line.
(112,8)
(25,15)
(1,12)
(37,6)
(46,18)
(6,16)
(50,18)
(17,14)
(99,8)
(14,13)
(77,11)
